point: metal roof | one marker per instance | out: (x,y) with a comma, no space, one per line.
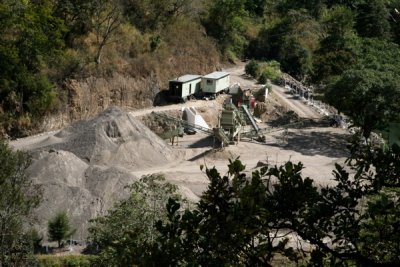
(186,78)
(216,75)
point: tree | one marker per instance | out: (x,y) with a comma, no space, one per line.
(59,228)
(291,41)
(18,198)
(373,19)
(225,22)
(30,41)
(337,51)
(75,14)
(246,221)
(369,92)
(126,234)
(151,15)
(35,239)
(107,19)
(230,226)
(252,68)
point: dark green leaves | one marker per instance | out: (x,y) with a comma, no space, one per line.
(59,228)
(18,198)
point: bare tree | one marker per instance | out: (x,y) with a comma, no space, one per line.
(107,20)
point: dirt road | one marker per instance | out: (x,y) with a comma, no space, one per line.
(191,103)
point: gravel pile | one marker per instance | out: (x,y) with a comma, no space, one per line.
(115,139)
(85,168)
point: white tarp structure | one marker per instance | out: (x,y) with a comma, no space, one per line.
(193,117)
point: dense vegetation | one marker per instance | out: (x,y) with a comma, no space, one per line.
(18,198)
(331,44)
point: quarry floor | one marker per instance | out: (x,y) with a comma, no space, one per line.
(317,146)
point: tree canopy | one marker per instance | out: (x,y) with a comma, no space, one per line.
(369,92)
(125,235)
(18,198)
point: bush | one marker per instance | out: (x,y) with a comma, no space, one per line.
(252,68)
(67,261)
(270,71)
(263,79)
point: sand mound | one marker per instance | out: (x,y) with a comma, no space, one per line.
(115,138)
(70,184)
(84,168)
(59,167)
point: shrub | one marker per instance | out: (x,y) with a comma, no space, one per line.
(67,261)
(252,68)
(270,71)
(263,79)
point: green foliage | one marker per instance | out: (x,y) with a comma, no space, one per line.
(270,71)
(252,68)
(379,234)
(369,91)
(264,71)
(231,225)
(30,41)
(125,235)
(67,261)
(225,22)
(291,41)
(75,14)
(36,240)
(18,198)
(151,14)
(59,228)
(155,42)
(373,19)
(337,51)
(256,7)
(246,221)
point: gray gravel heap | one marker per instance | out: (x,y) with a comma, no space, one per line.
(88,169)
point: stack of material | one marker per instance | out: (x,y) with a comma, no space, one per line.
(84,169)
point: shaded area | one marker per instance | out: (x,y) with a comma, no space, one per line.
(201,155)
(247,77)
(215,154)
(316,143)
(204,142)
(293,121)
(161,98)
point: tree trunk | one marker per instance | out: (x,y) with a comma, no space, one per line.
(99,52)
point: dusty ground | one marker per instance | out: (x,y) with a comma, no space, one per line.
(318,147)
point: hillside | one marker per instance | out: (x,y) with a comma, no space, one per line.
(68,60)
